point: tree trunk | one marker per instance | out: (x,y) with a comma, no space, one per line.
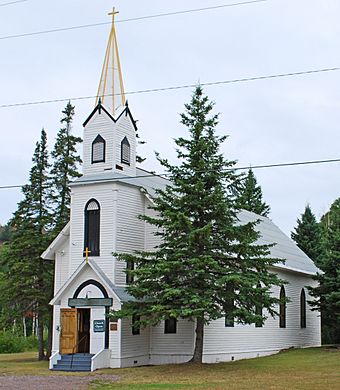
(41,351)
(197,357)
(24,325)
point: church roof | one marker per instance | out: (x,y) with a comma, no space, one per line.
(284,248)
(143,179)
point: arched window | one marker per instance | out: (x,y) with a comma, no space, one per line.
(303,309)
(125,151)
(92,227)
(282,308)
(258,311)
(98,150)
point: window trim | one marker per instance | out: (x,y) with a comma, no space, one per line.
(130,266)
(135,328)
(303,309)
(97,140)
(170,325)
(283,309)
(125,142)
(86,228)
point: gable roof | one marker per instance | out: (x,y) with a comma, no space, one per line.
(99,107)
(285,248)
(61,238)
(119,292)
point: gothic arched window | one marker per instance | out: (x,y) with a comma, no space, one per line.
(302,309)
(125,151)
(98,150)
(92,227)
(282,311)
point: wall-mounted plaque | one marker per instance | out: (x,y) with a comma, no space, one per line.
(99,325)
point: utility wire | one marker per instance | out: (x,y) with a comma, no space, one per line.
(12,2)
(163,175)
(128,20)
(176,87)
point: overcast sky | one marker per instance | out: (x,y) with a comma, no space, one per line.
(269,121)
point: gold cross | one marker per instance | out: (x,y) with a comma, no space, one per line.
(87,254)
(113,13)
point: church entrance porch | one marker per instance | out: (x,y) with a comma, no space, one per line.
(75,331)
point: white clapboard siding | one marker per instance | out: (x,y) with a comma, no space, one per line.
(56,328)
(134,348)
(124,128)
(105,195)
(242,339)
(151,239)
(61,266)
(172,348)
(130,229)
(100,124)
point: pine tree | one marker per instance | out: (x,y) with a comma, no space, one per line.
(65,168)
(207,265)
(308,237)
(327,293)
(250,196)
(29,279)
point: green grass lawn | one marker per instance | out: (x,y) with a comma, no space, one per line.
(313,368)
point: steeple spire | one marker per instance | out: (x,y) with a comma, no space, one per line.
(111,87)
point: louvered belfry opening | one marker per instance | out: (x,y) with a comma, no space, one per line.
(98,150)
(92,228)
(125,151)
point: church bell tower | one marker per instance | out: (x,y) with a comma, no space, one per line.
(110,130)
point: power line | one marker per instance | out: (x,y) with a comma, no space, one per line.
(163,175)
(12,2)
(176,87)
(130,19)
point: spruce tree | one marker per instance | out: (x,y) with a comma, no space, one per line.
(308,237)
(250,195)
(207,265)
(65,168)
(29,279)
(327,293)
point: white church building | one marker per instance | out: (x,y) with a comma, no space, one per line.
(89,281)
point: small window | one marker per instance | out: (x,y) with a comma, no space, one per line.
(135,325)
(125,151)
(92,228)
(98,150)
(229,319)
(170,325)
(303,309)
(130,266)
(259,312)
(282,308)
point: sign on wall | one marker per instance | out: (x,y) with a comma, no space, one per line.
(99,325)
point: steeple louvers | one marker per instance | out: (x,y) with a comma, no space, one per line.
(111,88)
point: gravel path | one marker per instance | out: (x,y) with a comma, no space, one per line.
(51,382)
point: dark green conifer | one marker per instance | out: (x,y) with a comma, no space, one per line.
(250,195)
(327,293)
(207,265)
(29,279)
(307,235)
(65,168)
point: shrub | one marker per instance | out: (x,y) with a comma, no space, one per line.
(11,343)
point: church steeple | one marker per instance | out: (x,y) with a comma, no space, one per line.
(111,87)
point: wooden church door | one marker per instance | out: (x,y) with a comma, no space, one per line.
(68,334)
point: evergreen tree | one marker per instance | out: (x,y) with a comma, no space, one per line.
(207,265)
(308,237)
(327,293)
(65,168)
(29,279)
(249,195)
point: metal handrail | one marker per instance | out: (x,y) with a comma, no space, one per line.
(75,346)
